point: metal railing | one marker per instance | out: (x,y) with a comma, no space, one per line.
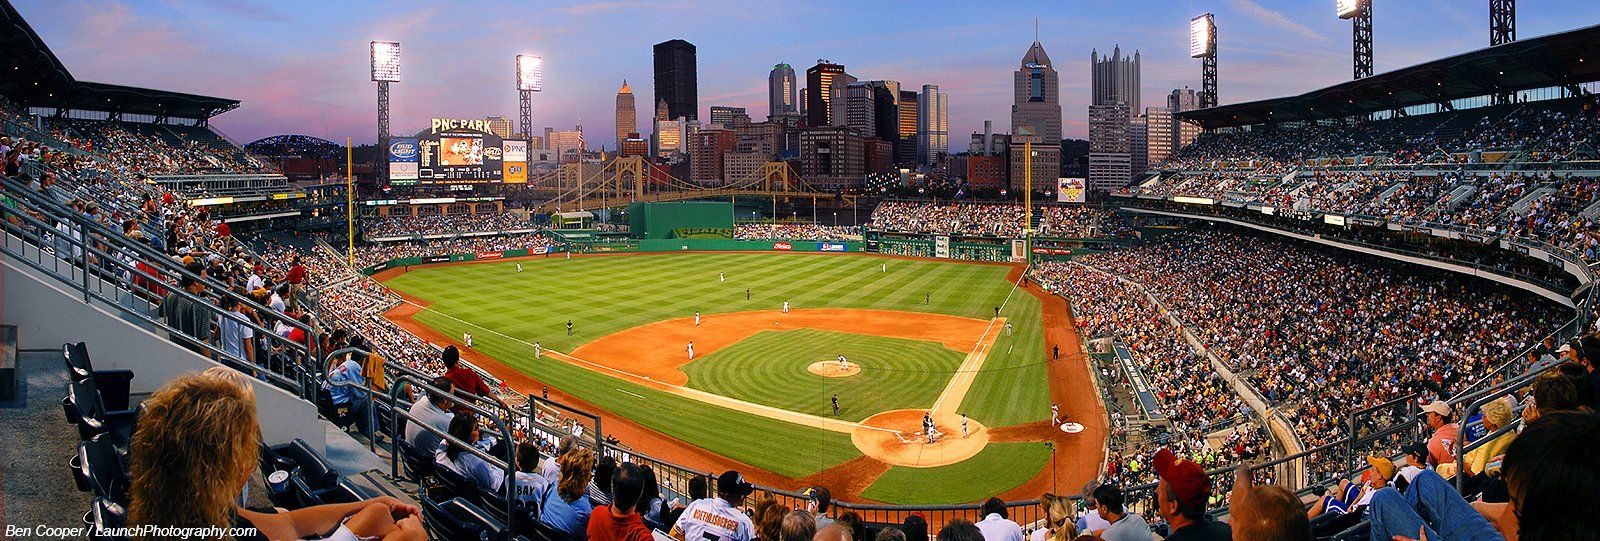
(507,463)
(107,274)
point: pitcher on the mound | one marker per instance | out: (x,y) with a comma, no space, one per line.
(843,364)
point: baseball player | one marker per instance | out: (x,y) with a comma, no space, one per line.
(569,254)
(467,337)
(927,298)
(519,267)
(721,277)
(785,307)
(691,350)
(697,318)
(747,293)
(569,327)
(1008,329)
(883,268)
(843,364)
(963,426)
(835,405)
(538,351)
(1055,414)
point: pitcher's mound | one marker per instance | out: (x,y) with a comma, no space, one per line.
(832,369)
(896,437)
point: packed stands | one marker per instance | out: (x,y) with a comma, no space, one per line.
(995,219)
(795,231)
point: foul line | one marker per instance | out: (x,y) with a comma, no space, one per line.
(967,374)
(761,410)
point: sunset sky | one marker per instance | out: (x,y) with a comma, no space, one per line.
(301,67)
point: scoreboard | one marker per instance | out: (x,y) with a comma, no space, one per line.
(455,151)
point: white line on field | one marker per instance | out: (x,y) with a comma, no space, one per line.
(635,395)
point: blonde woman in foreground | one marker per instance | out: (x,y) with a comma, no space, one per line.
(194,451)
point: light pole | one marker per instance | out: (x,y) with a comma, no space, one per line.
(530,79)
(385,61)
(836,219)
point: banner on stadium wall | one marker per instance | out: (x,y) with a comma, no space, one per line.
(782,246)
(1070,190)
(436,259)
(490,255)
(941,246)
(539,250)
(830,247)
(403,160)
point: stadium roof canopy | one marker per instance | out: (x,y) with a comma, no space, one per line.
(36,78)
(1566,59)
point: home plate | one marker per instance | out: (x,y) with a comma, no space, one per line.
(1071,428)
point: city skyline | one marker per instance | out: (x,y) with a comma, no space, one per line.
(304,70)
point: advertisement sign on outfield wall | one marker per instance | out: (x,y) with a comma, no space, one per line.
(941,246)
(782,246)
(830,247)
(489,255)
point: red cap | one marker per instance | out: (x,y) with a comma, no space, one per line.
(1187,479)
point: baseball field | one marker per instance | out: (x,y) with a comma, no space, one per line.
(919,338)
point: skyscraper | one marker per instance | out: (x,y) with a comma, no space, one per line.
(886,110)
(905,150)
(1161,137)
(627,117)
(781,90)
(820,81)
(933,124)
(1035,118)
(860,110)
(1110,160)
(1115,80)
(675,78)
(1180,100)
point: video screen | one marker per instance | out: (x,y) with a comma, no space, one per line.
(460,151)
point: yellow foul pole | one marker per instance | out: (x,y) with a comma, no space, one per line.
(1027,189)
(350,203)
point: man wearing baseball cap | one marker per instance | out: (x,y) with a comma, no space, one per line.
(1181,500)
(1442,445)
(719,518)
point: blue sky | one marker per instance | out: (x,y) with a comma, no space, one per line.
(301,67)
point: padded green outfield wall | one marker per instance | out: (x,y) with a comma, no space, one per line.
(684,245)
(692,219)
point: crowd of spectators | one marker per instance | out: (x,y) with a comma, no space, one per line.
(996,219)
(449,224)
(151,149)
(1329,333)
(795,231)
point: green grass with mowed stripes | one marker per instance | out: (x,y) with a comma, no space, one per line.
(771,368)
(507,311)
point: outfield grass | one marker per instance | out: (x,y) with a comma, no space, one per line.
(998,465)
(506,311)
(770,368)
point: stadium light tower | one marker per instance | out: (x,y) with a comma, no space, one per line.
(1502,30)
(530,79)
(1360,12)
(1203,45)
(385,69)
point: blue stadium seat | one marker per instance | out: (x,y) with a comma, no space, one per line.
(312,480)
(103,514)
(417,464)
(458,519)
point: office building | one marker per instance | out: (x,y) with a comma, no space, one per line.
(676,81)
(1180,100)
(820,87)
(500,126)
(1035,119)
(832,157)
(669,138)
(740,166)
(878,155)
(706,154)
(634,145)
(860,110)
(933,125)
(1138,145)
(627,117)
(905,148)
(1110,160)
(729,117)
(1115,79)
(568,144)
(781,88)
(1160,139)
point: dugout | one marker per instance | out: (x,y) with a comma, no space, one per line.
(681,220)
